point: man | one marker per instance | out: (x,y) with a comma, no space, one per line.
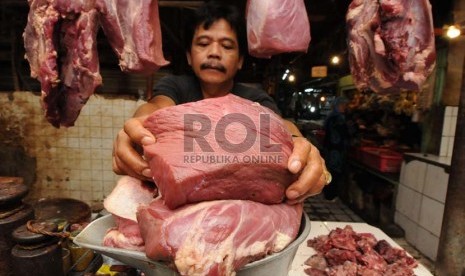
(215,51)
(335,145)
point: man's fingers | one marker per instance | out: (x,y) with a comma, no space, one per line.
(311,181)
(302,198)
(137,132)
(125,154)
(298,158)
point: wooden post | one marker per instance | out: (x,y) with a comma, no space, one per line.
(451,251)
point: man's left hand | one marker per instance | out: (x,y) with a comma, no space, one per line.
(306,160)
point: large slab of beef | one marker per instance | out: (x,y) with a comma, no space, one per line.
(61,47)
(391,44)
(346,252)
(217,237)
(277,26)
(219,148)
(133,30)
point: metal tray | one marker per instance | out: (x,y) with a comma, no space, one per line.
(276,264)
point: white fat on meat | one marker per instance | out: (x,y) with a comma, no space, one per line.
(217,236)
(128,195)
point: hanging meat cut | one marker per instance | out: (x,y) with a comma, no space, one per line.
(68,74)
(217,237)
(61,47)
(277,26)
(219,148)
(391,44)
(133,30)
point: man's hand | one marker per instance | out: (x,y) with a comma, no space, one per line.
(305,158)
(127,149)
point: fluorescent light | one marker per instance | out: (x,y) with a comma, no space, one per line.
(309,90)
(284,76)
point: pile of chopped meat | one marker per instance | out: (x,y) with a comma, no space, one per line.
(345,252)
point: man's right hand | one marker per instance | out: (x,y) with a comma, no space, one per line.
(127,149)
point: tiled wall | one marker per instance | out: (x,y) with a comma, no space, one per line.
(448,130)
(420,204)
(71,162)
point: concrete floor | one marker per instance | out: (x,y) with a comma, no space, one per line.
(319,208)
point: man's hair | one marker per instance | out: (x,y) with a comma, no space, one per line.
(209,13)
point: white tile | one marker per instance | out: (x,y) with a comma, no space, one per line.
(408,202)
(444,146)
(453,125)
(431,214)
(96,175)
(436,183)
(403,169)
(85,164)
(450,149)
(409,227)
(73,143)
(414,175)
(427,243)
(448,111)
(85,175)
(446,126)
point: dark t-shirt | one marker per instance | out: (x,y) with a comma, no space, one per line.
(186,88)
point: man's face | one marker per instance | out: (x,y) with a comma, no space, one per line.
(214,54)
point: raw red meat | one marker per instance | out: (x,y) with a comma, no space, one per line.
(345,252)
(219,148)
(217,237)
(61,47)
(64,90)
(80,66)
(391,44)
(126,234)
(277,26)
(133,30)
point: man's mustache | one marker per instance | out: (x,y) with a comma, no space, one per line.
(214,66)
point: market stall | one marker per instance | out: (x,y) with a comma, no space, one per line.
(216,188)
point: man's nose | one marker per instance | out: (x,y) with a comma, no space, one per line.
(214,50)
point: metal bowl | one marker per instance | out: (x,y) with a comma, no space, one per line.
(277,264)
(69,209)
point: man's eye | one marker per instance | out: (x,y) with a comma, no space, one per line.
(228,46)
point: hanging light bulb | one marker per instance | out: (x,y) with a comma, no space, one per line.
(291,78)
(453,31)
(335,60)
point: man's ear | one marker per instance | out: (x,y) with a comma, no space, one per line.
(188,55)
(241,61)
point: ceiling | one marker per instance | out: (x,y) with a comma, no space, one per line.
(327,20)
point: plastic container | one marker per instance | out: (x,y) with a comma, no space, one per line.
(383,160)
(276,264)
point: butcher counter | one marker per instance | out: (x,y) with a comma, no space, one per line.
(303,252)
(323,228)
